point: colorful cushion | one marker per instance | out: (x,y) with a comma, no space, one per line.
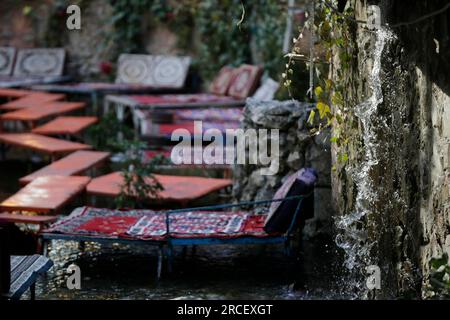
(40,62)
(154,71)
(281,213)
(169,71)
(134,69)
(151,225)
(25,271)
(7,55)
(245,81)
(267,90)
(97,222)
(222,81)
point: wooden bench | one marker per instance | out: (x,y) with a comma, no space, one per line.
(65,126)
(48,145)
(178,189)
(45,194)
(46,110)
(35,99)
(74,164)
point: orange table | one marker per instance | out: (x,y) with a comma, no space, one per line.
(32,100)
(181,189)
(74,164)
(48,109)
(43,144)
(27,219)
(65,125)
(14,93)
(46,194)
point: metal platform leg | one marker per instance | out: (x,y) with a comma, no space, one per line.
(33,292)
(170,258)
(82,246)
(160,262)
(44,248)
(3,150)
(288,247)
(184,252)
(39,245)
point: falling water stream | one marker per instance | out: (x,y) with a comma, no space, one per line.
(353,236)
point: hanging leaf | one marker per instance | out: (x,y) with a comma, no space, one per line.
(318,92)
(324,109)
(311,117)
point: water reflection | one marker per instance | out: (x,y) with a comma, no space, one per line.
(215,272)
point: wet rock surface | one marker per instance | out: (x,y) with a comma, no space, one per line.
(408,223)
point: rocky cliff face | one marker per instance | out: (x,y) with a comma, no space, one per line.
(398,216)
(298,148)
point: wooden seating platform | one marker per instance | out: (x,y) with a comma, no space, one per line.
(46,194)
(42,112)
(74,164)
(65,125)
(44,144)
(180,189)
(34,99)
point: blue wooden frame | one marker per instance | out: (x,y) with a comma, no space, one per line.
(170,241)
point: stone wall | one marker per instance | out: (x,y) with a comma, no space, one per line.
(86,48)
(396,214)
(28,24)
(298,148)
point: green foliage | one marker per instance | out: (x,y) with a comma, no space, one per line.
(226,30)
(335,37)
(104,135)
(267,24)
(127,19)
(139,183)
(222,41)
(295,84)
(56,34)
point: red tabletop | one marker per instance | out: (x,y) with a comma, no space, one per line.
(32,100)
(46,110)
(14,93)
(74,164)
(45,194)
(40,143)
(65,125)
(176,188)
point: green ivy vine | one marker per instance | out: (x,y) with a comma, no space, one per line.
(334,35)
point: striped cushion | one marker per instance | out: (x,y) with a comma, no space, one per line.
(24,272)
